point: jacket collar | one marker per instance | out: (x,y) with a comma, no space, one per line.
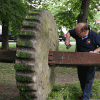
(88,34)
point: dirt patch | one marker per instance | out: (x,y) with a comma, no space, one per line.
(63,79)
(9,91)
(66,75)
(70,77)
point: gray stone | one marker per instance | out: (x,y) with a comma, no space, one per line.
(34,76)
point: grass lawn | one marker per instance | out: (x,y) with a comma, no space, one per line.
(72,40)
(72,91)
(10,46)
(62,47)
(59,92)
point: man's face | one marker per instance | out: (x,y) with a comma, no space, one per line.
(79,33)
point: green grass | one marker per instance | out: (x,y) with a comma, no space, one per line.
(72,91)
(62,47)
(65,92)
(6,70)
(59,92)
(31,17)
(10,45)
(72,40)
(29,24)
(66,70)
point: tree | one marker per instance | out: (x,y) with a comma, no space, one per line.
(68,12)
(12,12)
(83,16)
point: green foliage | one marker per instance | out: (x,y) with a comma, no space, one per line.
(26,33)
(61,32)
(23,55)
(28,96)
(19,67)
(23,67)
(29,24)
(92,16)
(23,88)
(31,17)
(72,91)
(23,79)
(65,92)
(97,16)
(13,11)
(66,12)
(35,13)
(24,43)
(96,89)
(0,23)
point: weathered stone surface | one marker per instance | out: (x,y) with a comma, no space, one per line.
(32,55)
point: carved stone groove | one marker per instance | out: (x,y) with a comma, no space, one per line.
(38,35)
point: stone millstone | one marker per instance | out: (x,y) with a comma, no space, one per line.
(38,35)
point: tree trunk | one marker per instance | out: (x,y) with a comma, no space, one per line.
(83,16)
(5,37)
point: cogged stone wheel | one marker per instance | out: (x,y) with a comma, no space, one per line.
(38,35)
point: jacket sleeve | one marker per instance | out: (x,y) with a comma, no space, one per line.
(73,33)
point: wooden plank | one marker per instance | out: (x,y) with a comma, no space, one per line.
(73,58)
(58,58)
(7,56)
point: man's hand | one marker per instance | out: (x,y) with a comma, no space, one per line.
(67,42)
(91,52)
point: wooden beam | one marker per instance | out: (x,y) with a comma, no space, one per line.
(73,58)
(7,56)
(58,58)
